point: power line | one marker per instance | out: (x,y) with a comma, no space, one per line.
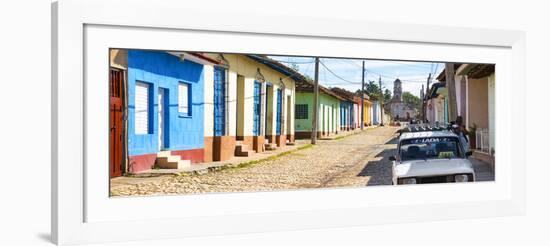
(295,62)
(337,76)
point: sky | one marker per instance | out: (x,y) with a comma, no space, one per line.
(346,73)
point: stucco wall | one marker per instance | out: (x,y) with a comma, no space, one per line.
(478,106)
(246,69)
(329,113)
(346,111)
(160,69)
(118,58)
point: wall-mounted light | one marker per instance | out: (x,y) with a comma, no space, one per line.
(182,58)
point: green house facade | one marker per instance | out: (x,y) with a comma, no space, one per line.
(328,114)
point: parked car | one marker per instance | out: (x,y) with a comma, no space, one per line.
(431,157)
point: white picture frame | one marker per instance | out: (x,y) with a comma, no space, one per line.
(82,211)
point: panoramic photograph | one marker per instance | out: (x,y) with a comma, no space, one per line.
(187,122)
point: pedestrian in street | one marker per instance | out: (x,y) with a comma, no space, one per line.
(462,132)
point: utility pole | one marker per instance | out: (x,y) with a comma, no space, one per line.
(450,83)
(425,99)
(381,101)
(315,103)
(363,96)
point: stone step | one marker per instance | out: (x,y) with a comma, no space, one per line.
(241,148)
(169,162)
(270,146)
(166,153)
(184,164)
(172,158)
(175,165)
(244,153)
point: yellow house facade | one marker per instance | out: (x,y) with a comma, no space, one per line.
(258,109)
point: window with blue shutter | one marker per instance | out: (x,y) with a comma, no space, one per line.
(257,108)
(219,101)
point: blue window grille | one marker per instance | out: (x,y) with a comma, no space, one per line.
(279,109)
(219,101)
(257,108)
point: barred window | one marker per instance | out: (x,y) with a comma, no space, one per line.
(300,111)
(184,99)
(142,108)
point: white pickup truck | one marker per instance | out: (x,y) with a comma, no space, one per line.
(431,157)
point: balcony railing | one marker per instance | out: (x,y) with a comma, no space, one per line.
(482,140)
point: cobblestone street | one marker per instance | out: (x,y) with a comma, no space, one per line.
(357,160)
(331,163)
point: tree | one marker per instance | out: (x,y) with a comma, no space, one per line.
(372,89)
(412,100)
(387,96)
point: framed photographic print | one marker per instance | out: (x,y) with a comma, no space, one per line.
(176,125)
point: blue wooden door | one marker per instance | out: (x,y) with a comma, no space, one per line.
(219,101)
(279,109)
(266,116)
(257,108)
(342,114)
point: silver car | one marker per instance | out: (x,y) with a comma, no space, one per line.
(431,157)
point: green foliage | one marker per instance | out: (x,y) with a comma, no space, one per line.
(387,96)
(413,100)
(373,90)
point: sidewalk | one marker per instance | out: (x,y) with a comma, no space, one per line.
(343,134)
(482,170)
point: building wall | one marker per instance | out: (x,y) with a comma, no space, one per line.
(371,111)
(478,107)
(248,69)
(328,116)
(356,114)
(366,112)
(346,111)
(118,58)
(440,109)
(376,112)
(184,133)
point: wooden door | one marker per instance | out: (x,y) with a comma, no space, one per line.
(219,101)
(116,147)
(279,111)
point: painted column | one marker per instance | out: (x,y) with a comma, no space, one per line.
(491,89)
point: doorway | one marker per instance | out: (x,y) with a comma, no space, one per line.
(116,106)
(268,111)
(240,108)
(162,118)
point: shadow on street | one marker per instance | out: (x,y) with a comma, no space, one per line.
(380,171)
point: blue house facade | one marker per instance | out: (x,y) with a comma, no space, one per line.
(165,108)
(346,115)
